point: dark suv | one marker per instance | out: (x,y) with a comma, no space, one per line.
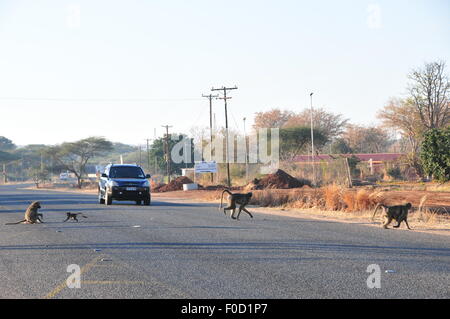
(124,183)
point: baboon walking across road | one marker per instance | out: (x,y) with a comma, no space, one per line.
(73,216)
(241,199)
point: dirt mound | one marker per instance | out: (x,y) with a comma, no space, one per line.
(279,180)
(175,185)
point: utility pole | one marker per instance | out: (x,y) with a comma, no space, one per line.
(225,98)
(5,176)
(167,151)
(156,157)
(246,152)
(148,153)
(312,141)
(210,98)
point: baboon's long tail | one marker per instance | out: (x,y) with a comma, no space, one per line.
(375,211)
(221,198)
(24,220)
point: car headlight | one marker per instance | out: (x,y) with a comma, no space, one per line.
(113,184)
(146,184)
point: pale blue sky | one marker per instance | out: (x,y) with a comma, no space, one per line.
(84,75)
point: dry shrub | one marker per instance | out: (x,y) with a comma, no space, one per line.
(428,216)
(332,196)
(363,201)
(349,199)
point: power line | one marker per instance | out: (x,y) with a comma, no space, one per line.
(51,99)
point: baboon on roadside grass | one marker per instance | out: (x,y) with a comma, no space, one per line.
(398,213)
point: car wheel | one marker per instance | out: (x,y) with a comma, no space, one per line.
(100,198)
(108,199)
(147,202)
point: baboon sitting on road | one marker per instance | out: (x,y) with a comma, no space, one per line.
(31,215)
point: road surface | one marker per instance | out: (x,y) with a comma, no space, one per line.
(188,250)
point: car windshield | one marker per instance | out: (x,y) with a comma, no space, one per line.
(126,172)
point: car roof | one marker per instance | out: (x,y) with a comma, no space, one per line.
(123,165)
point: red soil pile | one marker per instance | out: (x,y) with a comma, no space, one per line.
(279,180)
(175,185)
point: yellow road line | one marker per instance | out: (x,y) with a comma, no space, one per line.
(63,285)
(115,282)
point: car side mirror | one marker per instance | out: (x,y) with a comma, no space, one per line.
(104,175)
(148,176)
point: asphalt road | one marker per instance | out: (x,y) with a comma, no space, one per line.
(185,250)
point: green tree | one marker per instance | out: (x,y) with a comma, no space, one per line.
(435,153)
(158,154)
(295,140)
(6,144)
(340,146)
(6,157)
(74,156)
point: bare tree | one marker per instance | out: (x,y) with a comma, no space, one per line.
(402,115)
(430,91)
(331,125)
(274,118)
(370,139)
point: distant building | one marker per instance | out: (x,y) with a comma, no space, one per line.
(377,163)
(376,158)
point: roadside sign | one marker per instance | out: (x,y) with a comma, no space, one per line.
(205,167)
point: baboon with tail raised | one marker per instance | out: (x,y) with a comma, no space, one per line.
(240,199)
(73,216)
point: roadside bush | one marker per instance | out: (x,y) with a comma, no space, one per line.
(435,154)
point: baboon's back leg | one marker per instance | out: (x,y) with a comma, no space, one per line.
(239,212)
(231,206)
(242,208)
(75,217)
(387,221)
(245,210)
(407,225)
(233,212)
(399,222)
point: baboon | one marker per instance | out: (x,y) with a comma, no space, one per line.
(398,213)
(73,216)
(241,199)
(31,215)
